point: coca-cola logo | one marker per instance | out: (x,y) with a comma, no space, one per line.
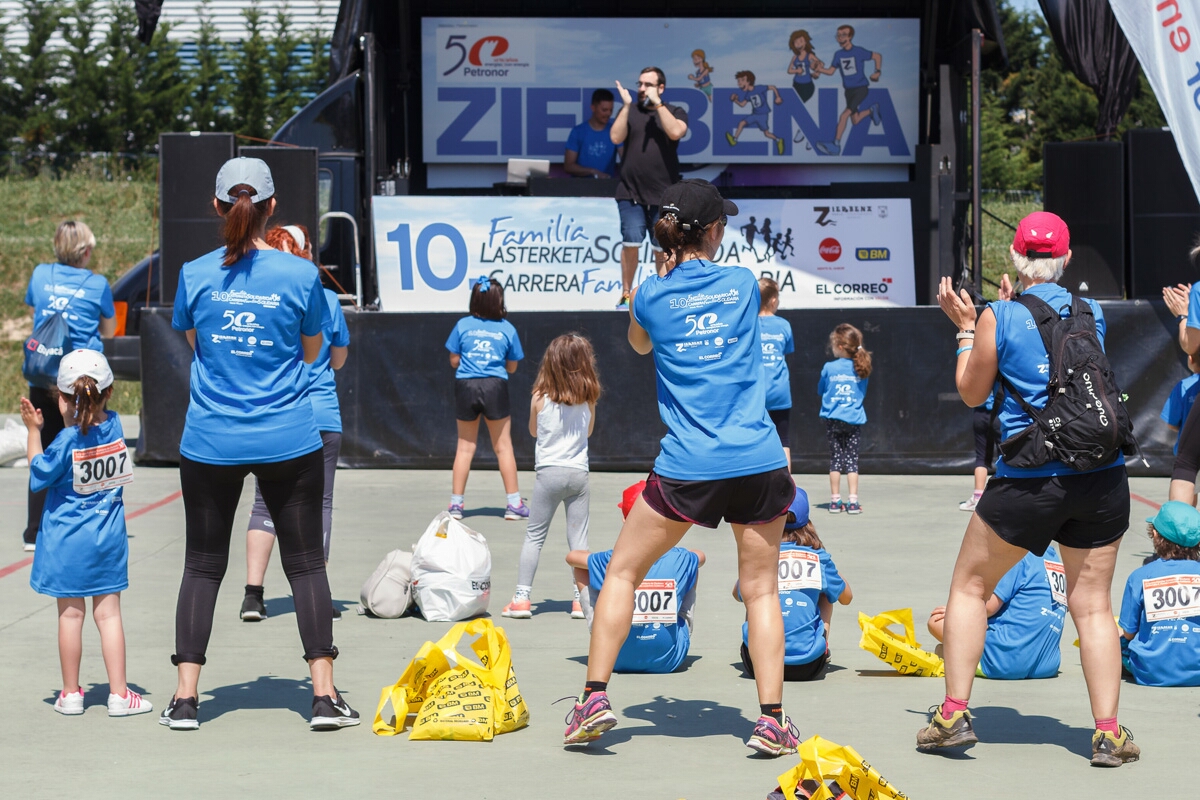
(830,249)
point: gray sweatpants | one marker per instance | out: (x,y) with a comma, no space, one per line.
(552,486)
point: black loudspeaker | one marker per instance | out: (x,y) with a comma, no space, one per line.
(1084,183)
(294,170)
(188,166)
(1164,216)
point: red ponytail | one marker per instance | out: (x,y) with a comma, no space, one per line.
(243,221)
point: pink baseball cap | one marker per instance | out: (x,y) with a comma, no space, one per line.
(1042,235)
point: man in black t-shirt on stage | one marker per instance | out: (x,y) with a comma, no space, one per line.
(650,130)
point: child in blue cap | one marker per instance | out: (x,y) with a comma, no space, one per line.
(1160,612)
(809,583)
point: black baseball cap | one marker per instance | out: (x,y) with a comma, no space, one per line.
(695,202)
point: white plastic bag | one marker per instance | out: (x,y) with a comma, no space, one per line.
(13,439)
(451,571)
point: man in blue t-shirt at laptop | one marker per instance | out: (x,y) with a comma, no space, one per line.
(590,152)
(852,62)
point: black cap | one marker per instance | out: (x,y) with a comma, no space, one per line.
(695,202)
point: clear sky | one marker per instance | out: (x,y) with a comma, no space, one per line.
(1026,5)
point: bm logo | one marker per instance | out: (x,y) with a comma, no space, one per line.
(872,254)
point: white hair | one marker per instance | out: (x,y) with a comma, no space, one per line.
(1041,270)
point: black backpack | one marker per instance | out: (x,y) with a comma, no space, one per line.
(1084,424)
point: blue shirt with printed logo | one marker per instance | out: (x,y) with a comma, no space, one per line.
(656,647)
(803,628)
(595,147)
(1179,404)
(322,388)
(853,64)
(484,346)
(81,295)
(775,334)
(1024,362)
(804,75)
(703,323)
(842,392)
(1023,637)
(758,98)
(249,387)
(1166,651)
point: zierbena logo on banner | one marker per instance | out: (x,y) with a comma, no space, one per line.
(550,254)
(784,90)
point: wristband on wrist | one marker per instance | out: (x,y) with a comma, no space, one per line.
(964,335)
(962,350)
(1181,317)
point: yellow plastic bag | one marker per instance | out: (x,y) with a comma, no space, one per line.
(457,697)
(902,653)
(823,763)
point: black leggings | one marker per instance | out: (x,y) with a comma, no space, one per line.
(292,490)
(1188,459)
(45,401)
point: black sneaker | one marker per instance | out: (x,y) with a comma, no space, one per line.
(337,613)
(329,714)
(180,715)
(253,609)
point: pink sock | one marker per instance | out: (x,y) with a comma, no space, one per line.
(950,706)
(1109,725)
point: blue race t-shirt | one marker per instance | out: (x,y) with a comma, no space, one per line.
(842,392)
(1162,606)
(484,346)
(1179,404)
(249,389)
(1193,319)
(703,322)
(853,64)
(659,638)
(1024,362)
(82,549)
(322,388)
(775,333)
(803,69)
(1023,637)
(595,147)
(758,98)
(804,575)
(81,295)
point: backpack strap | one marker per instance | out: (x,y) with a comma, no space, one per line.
(1044,316)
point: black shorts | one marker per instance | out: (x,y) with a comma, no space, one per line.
(475,396)
(804,91)
(745,500)
(855,96)
(782,418)
(1085,511)
(985,426)
(792,672)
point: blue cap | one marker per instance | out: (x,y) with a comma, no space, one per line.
(798,511)
(1177,522)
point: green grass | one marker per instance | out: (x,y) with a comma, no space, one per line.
(121,214)
(997,238)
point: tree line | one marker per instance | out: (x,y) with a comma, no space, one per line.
(1038,100)
(109,93)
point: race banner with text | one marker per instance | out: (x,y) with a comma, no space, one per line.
(785,90)
(564,254)
(1161,36)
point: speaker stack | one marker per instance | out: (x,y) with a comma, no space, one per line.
(1084,183)
(1164,216)
(188,165)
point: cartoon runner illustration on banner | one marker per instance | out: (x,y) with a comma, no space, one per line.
(701,79)
(804,67)
(760,114)
(851,61)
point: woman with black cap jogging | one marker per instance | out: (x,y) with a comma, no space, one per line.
(721,457)
(254,317)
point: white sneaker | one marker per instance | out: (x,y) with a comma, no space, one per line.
(968,505)
(132,703)
(30,547)
(69,704)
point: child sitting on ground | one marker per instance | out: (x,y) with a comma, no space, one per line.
(1160,612)
(809,582)
(663,604)
(1025,620)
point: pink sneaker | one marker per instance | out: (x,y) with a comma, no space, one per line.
(132,703)
(772,739)
(518,609)
(69,704)
(577,610)
(588,720)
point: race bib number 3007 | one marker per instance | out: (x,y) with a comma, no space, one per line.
(98,469)
(1057,575)
(799,569)
(1171,597)
(655,601)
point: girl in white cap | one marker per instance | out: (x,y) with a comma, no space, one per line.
(82,550)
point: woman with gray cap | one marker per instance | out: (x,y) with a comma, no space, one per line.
(253,316)
(721,457)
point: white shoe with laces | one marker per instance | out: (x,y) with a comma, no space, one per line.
(969,505)
(132,703)
(69,704)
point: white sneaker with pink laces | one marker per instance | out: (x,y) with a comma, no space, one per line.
(132,703)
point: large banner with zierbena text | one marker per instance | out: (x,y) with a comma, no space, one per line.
(819,90)
(564,254)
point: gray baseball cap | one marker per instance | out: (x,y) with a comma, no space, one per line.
(252,172)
